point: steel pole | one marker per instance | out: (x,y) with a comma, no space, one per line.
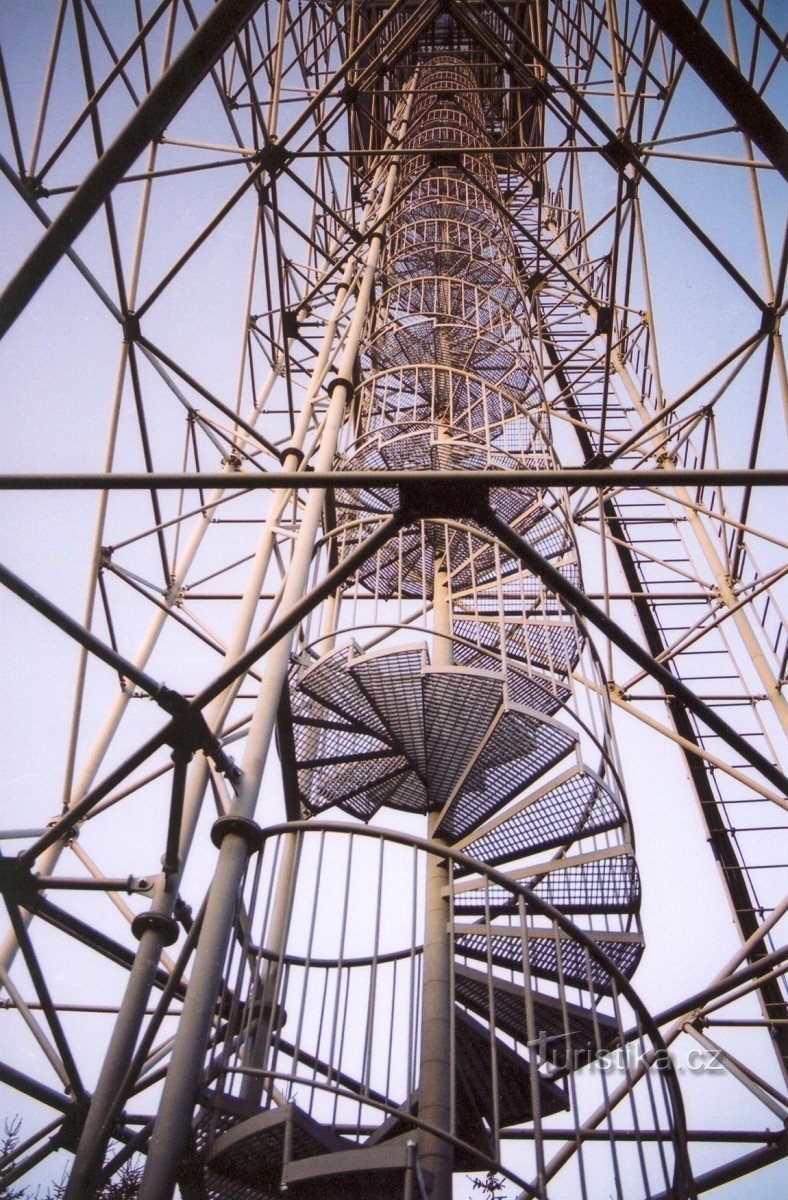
(162,103)
(174,1118)
(108,1097)
(436,1154)
(591,612)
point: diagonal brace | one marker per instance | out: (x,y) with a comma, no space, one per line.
(592,613)
(188,729)
(162,103)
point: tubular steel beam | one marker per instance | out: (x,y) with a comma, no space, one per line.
(734,877)
(322,591)
(159,107)
(33,1088)
(87,935)
(79,633)
(597,477)
(188,725)
(738,1168)
(619,150)
(722,77)
(595,615)
(699,1000)
(172,1123)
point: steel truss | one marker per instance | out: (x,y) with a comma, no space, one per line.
(435,350)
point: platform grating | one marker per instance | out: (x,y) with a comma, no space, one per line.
(577,806)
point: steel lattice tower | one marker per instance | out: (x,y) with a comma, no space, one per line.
(458,577)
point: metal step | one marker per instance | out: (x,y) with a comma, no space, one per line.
(563,1033)
(357,1171)
(520,747)
(405,562)
(329,683)
(576,804)
(545,643)
(545,693)
(510,1098)
(459,706)
(391,681)
(503,945)
(254,1151)
(443,738)
(602,881)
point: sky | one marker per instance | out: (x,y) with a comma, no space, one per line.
(58,367)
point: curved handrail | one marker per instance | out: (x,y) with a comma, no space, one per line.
(683,1181)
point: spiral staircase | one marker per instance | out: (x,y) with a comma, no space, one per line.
(386,730)
(478,732)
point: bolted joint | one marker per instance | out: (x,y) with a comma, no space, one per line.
(273,157)
(190,732)
(152,922)
(769,319)
(604,319)
(541,89)
(345,382)
(70,1132)
(242,827)
(131,327)
(447,500)
(666,459)
(290,323)
(182,753)
(619,152)
(227,766)
(16,879)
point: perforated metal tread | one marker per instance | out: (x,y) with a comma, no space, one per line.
(459,706)
(391,681)
(577,966)
(521,746)
(512,1102)
(563,1033)
(328,683)
(421,715)
(448,730)
(575,805)
(608,884)
(252,1152)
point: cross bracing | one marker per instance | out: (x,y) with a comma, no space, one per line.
(214,272)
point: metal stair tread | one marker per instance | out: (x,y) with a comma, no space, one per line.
(456,717)
(520,748)
(475,1045)
(576,804)
(603,881)
(556,1021)
(504,945)
(327,682)
(252,1151)
(352,1166)
(390,680)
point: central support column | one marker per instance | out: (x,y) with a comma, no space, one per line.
(437,1059)
(436,1155)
